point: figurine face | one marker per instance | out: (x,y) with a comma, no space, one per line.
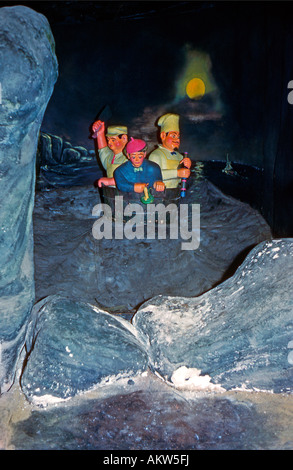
(170,140)
(116,143)
(136,158)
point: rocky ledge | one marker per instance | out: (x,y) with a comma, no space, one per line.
(237,335)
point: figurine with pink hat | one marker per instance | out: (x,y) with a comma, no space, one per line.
(138,173)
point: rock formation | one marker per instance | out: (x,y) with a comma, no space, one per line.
(239,333)
(27,75)
(53,150)
(75,347)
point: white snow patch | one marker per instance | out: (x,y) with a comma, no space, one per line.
(244,388)
(47,400)
(190,379)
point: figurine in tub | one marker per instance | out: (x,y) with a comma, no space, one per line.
(111,143)
(167,155)
(138,173)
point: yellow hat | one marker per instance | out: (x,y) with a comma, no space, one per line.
(169,122)
(116,130)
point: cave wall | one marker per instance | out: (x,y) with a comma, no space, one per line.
(27,81)
(253,66)
(132,64)
(250,49)
(278,125)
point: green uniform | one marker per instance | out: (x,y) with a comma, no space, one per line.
(168,162)
(110,161)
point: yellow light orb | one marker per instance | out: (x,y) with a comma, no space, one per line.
(195,88)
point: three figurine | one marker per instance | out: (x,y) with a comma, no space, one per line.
(165,167)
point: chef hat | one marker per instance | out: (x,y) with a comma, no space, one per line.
(169,122)
(116,130)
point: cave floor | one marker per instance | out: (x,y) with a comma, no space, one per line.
(147,414)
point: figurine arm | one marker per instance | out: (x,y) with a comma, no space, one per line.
(106,182)
(139,187)
(186,162)
(157,179)
(121,182)
(159,186)
(183,173)
(98,127)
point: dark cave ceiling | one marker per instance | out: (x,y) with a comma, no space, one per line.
(60,12)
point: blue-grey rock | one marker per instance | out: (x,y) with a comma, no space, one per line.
(28,73)
(73,347)
(45,154)
(238,334)
(57,147)
(53,151)
(49,150)
(70,155)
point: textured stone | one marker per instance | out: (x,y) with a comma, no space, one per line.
(121,274)
(70,155)
(74,347)
(53,151)
(239,333)
(27,75)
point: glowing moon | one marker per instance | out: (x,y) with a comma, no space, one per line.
(195,88)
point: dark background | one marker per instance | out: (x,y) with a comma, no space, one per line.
(131,55)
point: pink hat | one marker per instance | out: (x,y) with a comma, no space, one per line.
(135,145)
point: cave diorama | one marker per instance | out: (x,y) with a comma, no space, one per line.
(146,226)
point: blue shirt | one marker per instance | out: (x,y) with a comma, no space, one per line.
(126,175)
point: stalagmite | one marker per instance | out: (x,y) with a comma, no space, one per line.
(28,73)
